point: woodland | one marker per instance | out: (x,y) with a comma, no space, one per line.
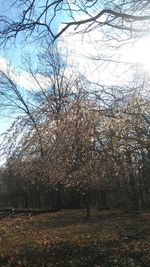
(75,157)
(74,143)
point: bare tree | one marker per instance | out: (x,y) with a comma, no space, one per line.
(38,18)
(76,134)
(21,106)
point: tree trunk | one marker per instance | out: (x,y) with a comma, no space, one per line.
(87,204)
(26,204)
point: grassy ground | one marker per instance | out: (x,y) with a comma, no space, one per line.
(65,239)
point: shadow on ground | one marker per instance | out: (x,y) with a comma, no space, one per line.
(64,254)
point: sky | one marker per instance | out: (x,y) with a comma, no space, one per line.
(81,50)
(13,56)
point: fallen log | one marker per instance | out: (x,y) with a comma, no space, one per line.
(10,212)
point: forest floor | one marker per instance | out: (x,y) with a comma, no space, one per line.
(66,239)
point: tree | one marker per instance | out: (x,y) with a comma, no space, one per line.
(35,135)
(37,18)
(75,134)
(15,101)
(128,140)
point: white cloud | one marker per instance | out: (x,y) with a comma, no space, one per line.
(88,50)
(27,81)
(87,53)
(23,78)
(3,64)
(81,51)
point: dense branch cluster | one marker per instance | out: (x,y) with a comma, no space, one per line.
(41,19)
